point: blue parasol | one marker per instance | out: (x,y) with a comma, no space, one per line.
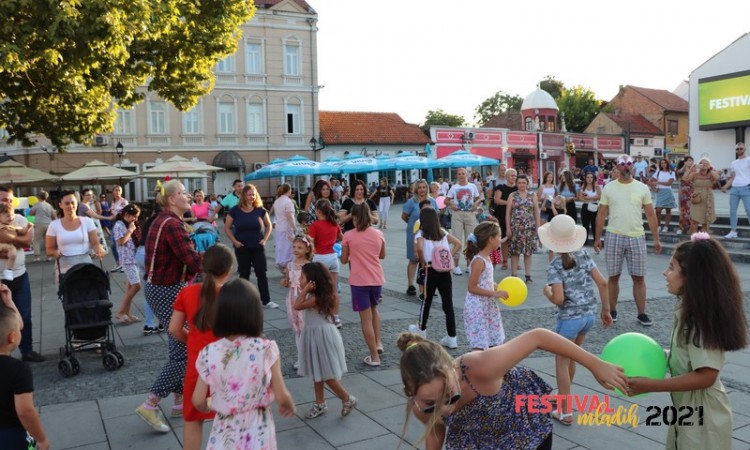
(462,158)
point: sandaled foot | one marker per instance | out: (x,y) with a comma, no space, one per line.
(368,360)
(564,418)
(349,405)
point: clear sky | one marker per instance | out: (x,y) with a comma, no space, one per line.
(412,56)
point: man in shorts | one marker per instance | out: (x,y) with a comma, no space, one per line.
(622,201)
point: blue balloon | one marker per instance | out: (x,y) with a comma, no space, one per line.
(337,249)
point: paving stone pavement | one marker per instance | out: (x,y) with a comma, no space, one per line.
(94,410)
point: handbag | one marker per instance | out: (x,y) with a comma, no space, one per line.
(592,206)
(445,220)
(696,198)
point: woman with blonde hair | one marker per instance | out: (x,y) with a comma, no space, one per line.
(248,227)
(283,209)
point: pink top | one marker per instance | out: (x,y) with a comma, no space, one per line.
(201,211)
(364,257)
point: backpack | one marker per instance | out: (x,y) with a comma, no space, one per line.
(442,260)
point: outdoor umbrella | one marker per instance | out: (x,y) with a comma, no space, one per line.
(295,166)
(176,164)
(359,164)
(462,158)
(408,161)
(177,175)
(13,172)
(97,170)
(265,171)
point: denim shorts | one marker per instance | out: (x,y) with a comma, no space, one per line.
(330,260)
(365,297)
(571,328)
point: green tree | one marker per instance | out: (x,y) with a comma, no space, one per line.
(67,65)
(580,106)
(440,117)
(498,103)
(552,86)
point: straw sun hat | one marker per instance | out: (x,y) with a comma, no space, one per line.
(562,235)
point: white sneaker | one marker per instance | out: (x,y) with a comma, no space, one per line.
(8,274)
(457,271)
(678,232)
(271,305)
(416,330)
(731,235)
(450,342)
(664,229)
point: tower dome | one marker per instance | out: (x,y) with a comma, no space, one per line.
(539,99)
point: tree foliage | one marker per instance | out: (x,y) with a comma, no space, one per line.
(440,117)
(67,65)
(580,107)
(552,86)
(498,103)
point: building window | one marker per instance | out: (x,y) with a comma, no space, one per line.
(157,117)
(292,59)
(255,119)
(226,65)
(191,120)
(124,123)
(293,119)
(253,58)
(672,127)
(226,123)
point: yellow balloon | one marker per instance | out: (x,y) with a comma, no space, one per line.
(516,289)
(16,201)
(416,226)
(33,200)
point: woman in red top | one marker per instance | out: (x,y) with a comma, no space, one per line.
(325,232)
(194,306)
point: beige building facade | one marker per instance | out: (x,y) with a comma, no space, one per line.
(264,105)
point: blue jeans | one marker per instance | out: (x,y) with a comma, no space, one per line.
(735,195)
(113,247)
(21,291)
(140,257)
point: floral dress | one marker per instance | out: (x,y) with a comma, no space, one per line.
(482,319)
(686,191)
(296,318)
(238,374)
(523,241)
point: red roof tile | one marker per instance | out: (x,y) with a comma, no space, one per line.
(511,120)
(663,98)
(346,127)
(637,123)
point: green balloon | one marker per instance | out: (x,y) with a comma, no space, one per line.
(638,354)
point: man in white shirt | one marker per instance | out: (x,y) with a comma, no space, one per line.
(443,189)
(463,199)
(623,201)
(739,187)
(640,167)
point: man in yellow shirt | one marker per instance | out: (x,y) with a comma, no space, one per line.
(622,201)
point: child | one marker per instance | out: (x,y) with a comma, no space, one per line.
(126,233)
(195,306)
(430,236)
(421,269)
(709,321)
(321,349)
(302,251)
(468,402)
(496,255)
(482,320)
(243,371)
(570,287)
(302,218)
(16,384)
(6,223)
(557,207)
(325,233)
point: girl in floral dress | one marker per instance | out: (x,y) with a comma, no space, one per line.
(522,220)
(302,251)
(686,191)
(243,371)
(482,320)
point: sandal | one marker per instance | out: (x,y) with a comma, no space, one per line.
(379,349)
(504,267)
(134,319)
(368,360)
(123,319)
(348,405)
(564,418)
(528,279)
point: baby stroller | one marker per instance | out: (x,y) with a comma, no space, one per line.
(84,293)
(204,235)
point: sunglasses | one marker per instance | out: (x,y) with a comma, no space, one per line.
(450,401)
(740,149)
(624,163)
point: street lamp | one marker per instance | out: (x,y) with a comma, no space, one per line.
(314,144)
(120,149)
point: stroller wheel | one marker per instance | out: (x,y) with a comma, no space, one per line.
(65,367)
(110,362)
(76,366)
(120,358)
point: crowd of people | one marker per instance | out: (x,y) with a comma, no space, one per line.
(218,366)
